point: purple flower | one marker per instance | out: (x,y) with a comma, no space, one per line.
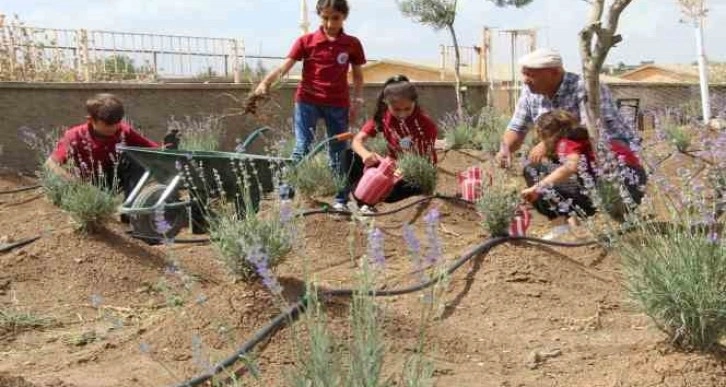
(201,299)
(144,348)
(414,250)
(435,250)
(375,248)
(713,237)
(286,213)
(161,225)
(198,355)
(260,261)
(96,300)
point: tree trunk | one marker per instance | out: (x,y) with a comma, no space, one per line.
(457,73)
(595,44)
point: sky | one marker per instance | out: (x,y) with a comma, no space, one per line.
(650,28)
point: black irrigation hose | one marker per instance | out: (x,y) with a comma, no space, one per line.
(155,238)
(299,306)
(385,213)
(21,189)
(19,243)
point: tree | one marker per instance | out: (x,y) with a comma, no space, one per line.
(441,14)
(596,40)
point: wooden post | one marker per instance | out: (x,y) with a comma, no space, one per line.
(84,62)
(234,48)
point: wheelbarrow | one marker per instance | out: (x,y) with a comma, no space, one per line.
(236,176)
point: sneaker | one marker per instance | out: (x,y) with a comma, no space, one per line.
(338,206)
(367,210)
(557,232)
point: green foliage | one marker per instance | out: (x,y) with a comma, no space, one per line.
(483,131)
(678,135)
(197,134)
(314,177)
(491,124)
(678,277)
(88,205)
(234,235)
(53,185)
(418,170)
(13,321)
(497,205)
(437,14)
(377,145)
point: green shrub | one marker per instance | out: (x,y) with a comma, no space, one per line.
(88,205)
(497,205)
(491,125)
(314,177)
(234,235)
(680,136)
(678,277)
(13,321)
(203,134)
(53,185)
(482,131)
(418,170)
(459,132)
(378,145)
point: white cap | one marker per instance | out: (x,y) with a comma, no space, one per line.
(541,58)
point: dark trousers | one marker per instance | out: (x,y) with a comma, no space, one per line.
(353,165)
(572,196)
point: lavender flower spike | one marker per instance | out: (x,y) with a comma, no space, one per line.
(260,261)
(375,248)
(435,250)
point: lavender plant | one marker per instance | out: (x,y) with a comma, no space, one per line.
(88,205)
(378,144)
(497,205)
(198,134)
(419,171)
(314,177)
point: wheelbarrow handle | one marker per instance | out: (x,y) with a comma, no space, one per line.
(342,137)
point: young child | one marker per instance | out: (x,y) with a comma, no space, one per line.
(568,147)
(327,54)
(91,146)
(405,127)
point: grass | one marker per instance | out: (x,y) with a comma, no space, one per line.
(14,321)
(419,171)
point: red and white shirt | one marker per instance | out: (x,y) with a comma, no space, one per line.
(325,67)
(566,147)
(90,151)
(416,133)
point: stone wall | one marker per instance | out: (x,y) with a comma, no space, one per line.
(149,106)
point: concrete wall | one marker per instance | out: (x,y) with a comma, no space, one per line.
(653,95)
(149,106)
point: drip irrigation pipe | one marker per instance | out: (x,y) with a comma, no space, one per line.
(20,243)
(299,306)
(21,189)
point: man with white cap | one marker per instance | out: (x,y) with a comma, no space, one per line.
(548,87)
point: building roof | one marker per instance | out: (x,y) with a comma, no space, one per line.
(676,73)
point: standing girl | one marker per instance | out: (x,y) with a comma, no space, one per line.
(327,55)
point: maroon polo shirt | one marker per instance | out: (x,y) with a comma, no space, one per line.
(325,67)
(89,150)
(416,132)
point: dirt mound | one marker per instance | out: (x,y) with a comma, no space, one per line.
(127,314)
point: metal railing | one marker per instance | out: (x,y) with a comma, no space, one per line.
(470,60)
(49,54)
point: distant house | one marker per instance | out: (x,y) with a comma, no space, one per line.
(380,70)
(670,73)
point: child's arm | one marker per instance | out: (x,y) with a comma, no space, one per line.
(58,170)
(274,75)
(567,169)
(369,158)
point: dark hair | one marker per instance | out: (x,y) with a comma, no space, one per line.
(395,87)
(337,5)
(557,124)
(105,107)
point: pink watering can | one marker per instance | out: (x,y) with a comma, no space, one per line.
(377,182)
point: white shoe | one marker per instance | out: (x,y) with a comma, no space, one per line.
(337,206)
(367,210)
(557,232)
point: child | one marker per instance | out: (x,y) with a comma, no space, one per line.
(91,146)
(406,129)
(327,54)
(568,147)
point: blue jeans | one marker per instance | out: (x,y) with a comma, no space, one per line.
(336,122)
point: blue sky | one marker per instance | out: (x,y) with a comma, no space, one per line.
(651,28)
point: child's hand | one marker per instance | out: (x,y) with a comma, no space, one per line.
(371,159)
(262,89)
(398,173)
(530,194)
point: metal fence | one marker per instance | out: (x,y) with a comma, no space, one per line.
(48,54)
